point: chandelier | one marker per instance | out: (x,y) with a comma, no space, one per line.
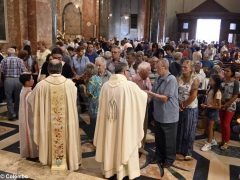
(78,4)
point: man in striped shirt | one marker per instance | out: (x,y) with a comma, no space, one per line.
(12,67)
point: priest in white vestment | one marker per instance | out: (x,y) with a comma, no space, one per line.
(28,148)
(119,128)
(56,126)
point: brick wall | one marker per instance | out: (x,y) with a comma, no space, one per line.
(32,20)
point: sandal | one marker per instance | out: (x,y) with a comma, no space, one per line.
(224,146)
(188,158)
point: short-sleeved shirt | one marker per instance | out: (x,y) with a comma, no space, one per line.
(106,76)
(66,70)
(166,112)
(212,99)
(111,65)
(208,64)
(230,89)
(92,57)
(143,84)
(79,64)
(12,66)
(94,88)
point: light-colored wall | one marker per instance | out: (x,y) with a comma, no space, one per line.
(121,28)
(184,6)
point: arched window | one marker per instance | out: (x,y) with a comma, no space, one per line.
(72,20)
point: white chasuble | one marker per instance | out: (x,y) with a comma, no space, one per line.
(119,128)
(56,125)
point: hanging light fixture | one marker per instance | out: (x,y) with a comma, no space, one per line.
(126,16)
(78,4)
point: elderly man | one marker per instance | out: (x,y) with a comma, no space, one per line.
(144,83)
(102,71)
(200,74)
(116,51)
(55,116)
(119,131)
(142,76)
(166,110)
(12,67)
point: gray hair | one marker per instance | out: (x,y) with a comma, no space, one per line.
(102,60)
(11,51)
(107,55)
(120,67)
(55,66)
(143,66)
(116,47)
(164,62)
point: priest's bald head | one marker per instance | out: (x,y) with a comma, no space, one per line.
(122,68)
(55,67)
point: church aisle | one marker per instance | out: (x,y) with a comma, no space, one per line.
(205,165)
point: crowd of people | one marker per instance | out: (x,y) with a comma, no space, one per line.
(124,86)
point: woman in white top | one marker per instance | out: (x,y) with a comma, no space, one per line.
(197,55)
(188,90)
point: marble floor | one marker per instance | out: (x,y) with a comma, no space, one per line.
(212,165)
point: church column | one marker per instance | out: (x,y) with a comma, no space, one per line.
(32,24)
(162,19)
(97,21)
(17,23)
(54,22)
(154,21)
(143,19)
(104,18)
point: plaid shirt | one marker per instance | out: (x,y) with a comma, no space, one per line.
(12,66)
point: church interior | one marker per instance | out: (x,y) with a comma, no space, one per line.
(134,26)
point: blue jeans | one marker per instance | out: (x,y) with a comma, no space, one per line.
(12,87)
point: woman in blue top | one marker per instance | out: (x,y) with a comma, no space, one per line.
(94,84)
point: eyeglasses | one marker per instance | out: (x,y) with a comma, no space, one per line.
(57,57)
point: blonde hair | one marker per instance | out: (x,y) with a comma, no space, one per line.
(190,64)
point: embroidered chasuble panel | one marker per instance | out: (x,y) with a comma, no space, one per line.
(58,127)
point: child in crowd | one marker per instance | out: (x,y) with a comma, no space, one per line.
(28,148)
(212,107)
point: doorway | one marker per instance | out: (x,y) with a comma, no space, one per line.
(208,30)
